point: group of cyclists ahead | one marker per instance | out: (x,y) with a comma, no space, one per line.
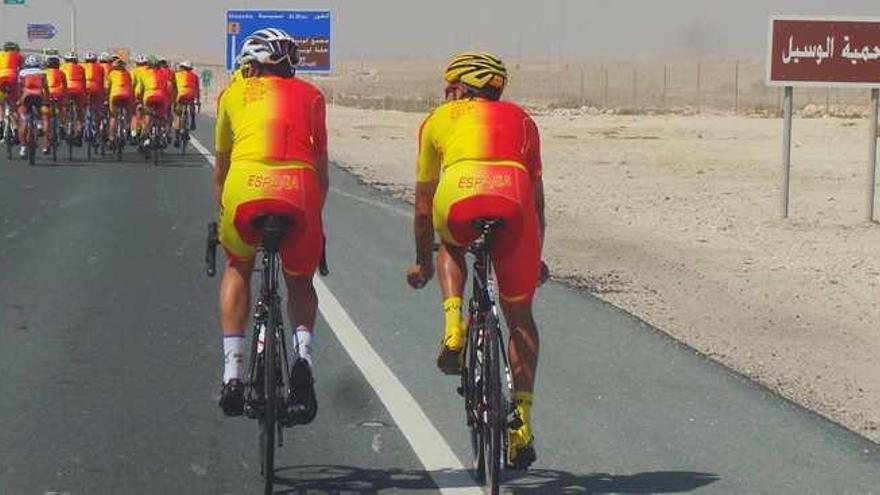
(89,97)
(478,157)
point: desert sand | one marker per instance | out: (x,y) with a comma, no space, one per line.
(676,219)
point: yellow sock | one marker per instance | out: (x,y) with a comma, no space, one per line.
(523,401)
(454,337)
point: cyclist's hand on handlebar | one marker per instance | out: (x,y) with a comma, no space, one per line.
(419,275)
(543,273)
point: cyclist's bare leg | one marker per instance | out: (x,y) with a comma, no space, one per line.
(451,273)
(46,130)
(451,270)
(523,346)
(302,301)
(235,297)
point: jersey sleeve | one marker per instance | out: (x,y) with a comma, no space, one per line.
(533,149)
(223,129)
(428,165)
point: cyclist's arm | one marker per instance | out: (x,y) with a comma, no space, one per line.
(535,168)
(320,135)
(223,140)
(423,225)
(427,178)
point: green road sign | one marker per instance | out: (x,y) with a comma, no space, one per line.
(13,2)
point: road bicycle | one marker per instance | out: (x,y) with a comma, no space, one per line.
(9,125)
(121,136)
(30,129)
(157,135)
(70,131)
(269,383)
(187,123)
(486,382)
(54,128)
(89,128)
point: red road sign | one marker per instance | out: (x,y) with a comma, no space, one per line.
(823,51)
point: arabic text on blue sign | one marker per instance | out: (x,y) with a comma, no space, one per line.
(312,30)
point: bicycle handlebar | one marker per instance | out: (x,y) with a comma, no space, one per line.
(211,249)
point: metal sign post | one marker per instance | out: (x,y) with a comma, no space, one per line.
(872,152)
(786,148)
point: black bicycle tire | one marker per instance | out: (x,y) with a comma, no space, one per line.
(54,139)
(496,424)
(472,396)
(8,137)
(32,139)
(154,143)
(270,349)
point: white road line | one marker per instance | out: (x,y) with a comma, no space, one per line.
(201,149)
(436,455)
(373,202)
(429,445)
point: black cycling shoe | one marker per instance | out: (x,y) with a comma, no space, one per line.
(302,405)
(524,458)
(232,398)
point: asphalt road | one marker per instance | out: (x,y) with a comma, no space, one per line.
(110,366)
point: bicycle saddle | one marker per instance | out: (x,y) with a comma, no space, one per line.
(273,228)
(488,224)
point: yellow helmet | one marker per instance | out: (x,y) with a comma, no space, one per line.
(477,69)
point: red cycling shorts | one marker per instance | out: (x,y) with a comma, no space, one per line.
(470,191)
(157,100)
(254,189)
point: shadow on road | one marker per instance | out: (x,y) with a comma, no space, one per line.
(303,480)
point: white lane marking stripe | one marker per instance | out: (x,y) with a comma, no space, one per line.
(436,456)
(373,202)
(201,149)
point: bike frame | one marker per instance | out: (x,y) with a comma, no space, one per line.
(486,339)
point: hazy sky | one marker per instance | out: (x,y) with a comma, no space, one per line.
(537,29)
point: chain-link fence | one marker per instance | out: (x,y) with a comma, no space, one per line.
(688,87)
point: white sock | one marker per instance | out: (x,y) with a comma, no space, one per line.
(304,340)
(233,350)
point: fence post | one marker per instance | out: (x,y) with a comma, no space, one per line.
(605,91)
(635,99)
(699,88)
(583,100)
(665,84)
(736,88)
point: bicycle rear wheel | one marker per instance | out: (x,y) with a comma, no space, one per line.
(268,424)
(472,390)
(496,419)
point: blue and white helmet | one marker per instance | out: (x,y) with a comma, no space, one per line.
(269,46)
(32,62)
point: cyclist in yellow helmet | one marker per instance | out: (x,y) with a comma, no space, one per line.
(480,157)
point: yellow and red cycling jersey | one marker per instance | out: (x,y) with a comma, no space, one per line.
(136,74)
(486,157)
(57,82)
(187,86)
(272,120)
(76,78)
(94,74)
(106,67)
(10,63)
(120,89)
(276,132)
